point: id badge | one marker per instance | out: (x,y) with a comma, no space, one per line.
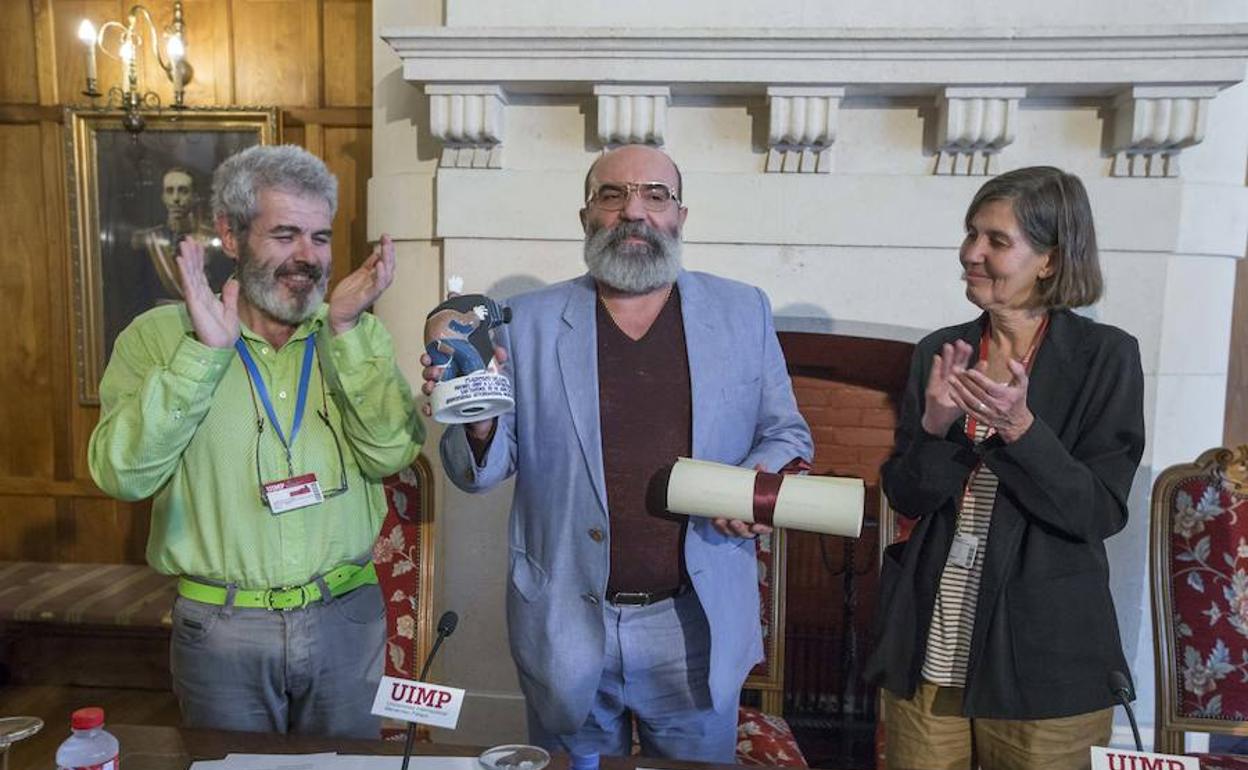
(962,552)
(295,492)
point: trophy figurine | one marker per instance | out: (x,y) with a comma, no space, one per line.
(458,338)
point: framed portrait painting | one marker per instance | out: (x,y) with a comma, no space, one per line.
(133,196)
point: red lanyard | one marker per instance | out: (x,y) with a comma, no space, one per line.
(1027,361)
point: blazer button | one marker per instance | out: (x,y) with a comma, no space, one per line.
(596,535)
(591,599)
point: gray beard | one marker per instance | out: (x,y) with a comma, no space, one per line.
(259,286)
(630,268)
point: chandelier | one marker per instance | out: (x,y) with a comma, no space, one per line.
(129,43)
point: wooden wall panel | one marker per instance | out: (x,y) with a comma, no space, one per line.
(277,52)
(29,531)
(348,53)
(18,81)
(348,152)
(101,530)
(258,52)
(208,50)
(25,396)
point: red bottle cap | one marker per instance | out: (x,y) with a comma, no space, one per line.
(87,718)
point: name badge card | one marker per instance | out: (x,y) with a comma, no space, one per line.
(420,702)
(1121,759)
(962,551)
(292,493)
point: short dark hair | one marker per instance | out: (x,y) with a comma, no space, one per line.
(680,182)
(1055,216)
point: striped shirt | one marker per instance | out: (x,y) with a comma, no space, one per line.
(953,618)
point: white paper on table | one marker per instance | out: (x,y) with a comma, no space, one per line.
(359,762)
(334,762)
(825,504)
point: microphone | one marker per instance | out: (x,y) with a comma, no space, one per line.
(446,627)
(1120,686)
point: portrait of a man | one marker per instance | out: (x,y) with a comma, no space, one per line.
(136,195)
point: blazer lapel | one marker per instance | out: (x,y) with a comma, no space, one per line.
(1053,385)
(707,353)
(578,367)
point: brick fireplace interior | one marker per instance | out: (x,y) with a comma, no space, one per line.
(849,390)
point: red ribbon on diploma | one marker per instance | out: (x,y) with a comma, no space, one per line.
(767,489)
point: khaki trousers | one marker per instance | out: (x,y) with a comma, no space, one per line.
(927,732)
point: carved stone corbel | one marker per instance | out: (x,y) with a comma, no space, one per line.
(469,121)
(1153,123)
(632,114)
(974,124)
(802,127)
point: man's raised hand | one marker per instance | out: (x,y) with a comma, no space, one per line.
(355,293)
(214,319)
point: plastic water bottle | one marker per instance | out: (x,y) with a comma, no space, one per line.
(91,747)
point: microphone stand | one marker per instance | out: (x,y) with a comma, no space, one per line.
(1121,688)
(446,626)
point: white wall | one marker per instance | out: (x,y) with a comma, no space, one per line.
(871,245)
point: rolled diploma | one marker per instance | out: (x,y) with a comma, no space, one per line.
(825,504)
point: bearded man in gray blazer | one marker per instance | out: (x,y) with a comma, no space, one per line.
(618,609)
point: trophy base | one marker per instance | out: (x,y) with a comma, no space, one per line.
(477,396)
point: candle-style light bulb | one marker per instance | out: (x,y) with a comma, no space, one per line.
(86,33)
(177,52)
(127,52)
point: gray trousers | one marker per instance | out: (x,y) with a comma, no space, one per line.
(313,670)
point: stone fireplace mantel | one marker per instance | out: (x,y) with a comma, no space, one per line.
(1158,81)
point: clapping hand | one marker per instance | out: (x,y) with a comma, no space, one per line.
(214,320)
(1000,406)
(359,290)
(941,410)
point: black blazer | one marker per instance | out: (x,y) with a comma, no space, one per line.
(1046,636)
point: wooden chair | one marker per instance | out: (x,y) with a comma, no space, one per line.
(763,737)
(403,555)
(1199,581)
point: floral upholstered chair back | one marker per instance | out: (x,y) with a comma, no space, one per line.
(1199,563)
(403,555)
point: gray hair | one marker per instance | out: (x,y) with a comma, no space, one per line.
(238,181)
(1054,214)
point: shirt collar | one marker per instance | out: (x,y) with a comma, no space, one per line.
(310,326)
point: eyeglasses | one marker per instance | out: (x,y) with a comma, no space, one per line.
(613,196)
(322,413)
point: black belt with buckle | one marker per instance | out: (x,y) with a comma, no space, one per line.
(644,598)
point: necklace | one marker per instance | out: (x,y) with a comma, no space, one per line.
(616,321)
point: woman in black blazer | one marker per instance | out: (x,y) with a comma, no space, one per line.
(1019,436)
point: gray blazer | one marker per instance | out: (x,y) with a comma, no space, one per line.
(744,413)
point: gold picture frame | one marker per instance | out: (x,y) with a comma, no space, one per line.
(131,197)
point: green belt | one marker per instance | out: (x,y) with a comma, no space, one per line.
(340,580)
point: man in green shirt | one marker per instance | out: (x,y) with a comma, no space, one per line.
(260,422)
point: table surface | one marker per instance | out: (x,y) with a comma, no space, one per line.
(174,748)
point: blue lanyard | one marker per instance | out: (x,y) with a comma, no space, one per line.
(301,401)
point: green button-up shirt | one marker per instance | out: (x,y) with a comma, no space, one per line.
(180,422)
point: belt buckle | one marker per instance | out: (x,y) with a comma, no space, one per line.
(274,601)
(636,598)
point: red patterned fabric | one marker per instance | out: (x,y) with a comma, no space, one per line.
(396,554)
(766,563)
(763,739)
(1209,586)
